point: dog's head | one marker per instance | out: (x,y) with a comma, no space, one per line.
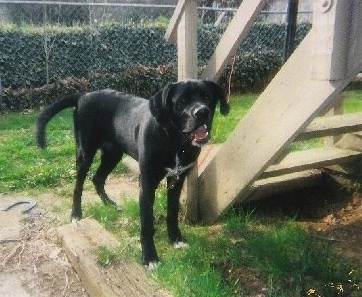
(189,106)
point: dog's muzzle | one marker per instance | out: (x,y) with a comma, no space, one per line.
(198,131)
(200,136)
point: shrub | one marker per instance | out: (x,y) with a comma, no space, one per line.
(39,64)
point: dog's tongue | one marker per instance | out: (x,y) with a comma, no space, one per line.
(200,133)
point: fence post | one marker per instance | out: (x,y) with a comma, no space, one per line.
(292,14)
(1,92)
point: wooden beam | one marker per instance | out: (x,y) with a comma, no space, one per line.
(187,41)
(187,68)
(332,125)
(267,187)
(171,32)
(236,32)
(309,159)
(82,242)
(336,110)
(331,26)
(274,122)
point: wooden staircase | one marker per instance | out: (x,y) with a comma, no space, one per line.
(309,83)
(299,168)
(304,168)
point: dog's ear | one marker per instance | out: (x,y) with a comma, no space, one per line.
(219,95)
(160,104)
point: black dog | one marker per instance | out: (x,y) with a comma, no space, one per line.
(164,134)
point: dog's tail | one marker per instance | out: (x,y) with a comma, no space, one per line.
(49,113)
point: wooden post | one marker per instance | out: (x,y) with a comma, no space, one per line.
(187,41)
(331,36)
(335,110)
(187,69)
(292,16)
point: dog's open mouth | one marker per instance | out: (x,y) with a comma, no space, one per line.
(200,136)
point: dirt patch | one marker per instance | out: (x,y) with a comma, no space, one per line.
(32,261)
(35,265)
(332,211)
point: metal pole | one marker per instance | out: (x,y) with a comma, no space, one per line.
(292,14)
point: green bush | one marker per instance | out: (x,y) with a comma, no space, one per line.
(40,64)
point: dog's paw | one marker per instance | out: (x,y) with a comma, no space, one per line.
(75,223)
(152,266)
(180,245)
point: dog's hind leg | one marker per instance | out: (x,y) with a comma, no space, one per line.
(83,162)
(109,160)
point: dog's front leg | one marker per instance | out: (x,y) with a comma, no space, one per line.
(146,201)
(173,206)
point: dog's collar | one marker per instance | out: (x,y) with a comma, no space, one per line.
(178,170)
(175,173)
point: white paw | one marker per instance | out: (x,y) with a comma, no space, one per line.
(75,221)
(152,266)
(180,245)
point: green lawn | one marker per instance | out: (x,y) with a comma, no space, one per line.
(281,255)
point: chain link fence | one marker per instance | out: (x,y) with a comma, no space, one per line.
(50,48)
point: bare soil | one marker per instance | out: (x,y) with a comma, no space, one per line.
(32,260)
(332,211)
(33,263)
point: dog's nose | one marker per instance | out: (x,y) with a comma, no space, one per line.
(201,113)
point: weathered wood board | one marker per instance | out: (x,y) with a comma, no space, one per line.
(236,32)
(333,125)
(267,187)
(187,41)
(309,159)
(81,241)
(171,32)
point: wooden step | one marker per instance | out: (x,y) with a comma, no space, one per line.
(309,159)
(333,125)
(284,183)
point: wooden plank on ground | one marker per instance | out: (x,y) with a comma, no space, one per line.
(81,242)
(272,124)
(309,159)
(333,125)
(235,33)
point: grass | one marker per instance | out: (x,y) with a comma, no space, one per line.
(25,167)
(228,259)
(222,259)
